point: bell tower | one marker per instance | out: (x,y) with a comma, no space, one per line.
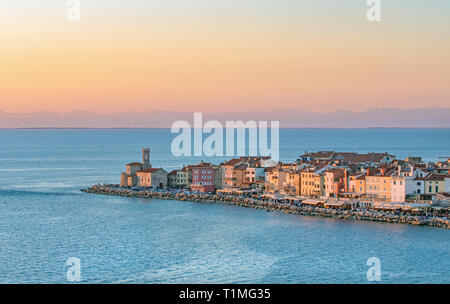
(146,158)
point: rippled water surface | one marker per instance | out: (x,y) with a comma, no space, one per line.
(45,219)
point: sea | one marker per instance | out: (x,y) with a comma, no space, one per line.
(47,223)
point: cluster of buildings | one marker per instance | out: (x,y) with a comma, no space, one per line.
(323,174)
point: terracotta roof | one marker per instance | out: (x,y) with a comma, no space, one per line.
(134,164)
(241,167)
(335,170)
(321,154)
(232,162)
(436,177)
(150,170)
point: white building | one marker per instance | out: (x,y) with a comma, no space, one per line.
(408,182)
(447,185)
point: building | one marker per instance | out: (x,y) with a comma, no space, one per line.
(348,157)
(408,183)
(291,185)
(254,174)
(435,183)
(239,175)
(227,172)
(129,177)
(359,186)
(313,181)
(378,184)
(275,179)
(335,182)
(203,178)
(180,179)
(152,177)
(244,170)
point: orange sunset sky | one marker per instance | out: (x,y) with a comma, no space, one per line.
(220,56)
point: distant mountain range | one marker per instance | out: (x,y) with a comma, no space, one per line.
(289,118)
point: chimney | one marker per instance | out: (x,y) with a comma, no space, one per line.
(383,171)
(368,171)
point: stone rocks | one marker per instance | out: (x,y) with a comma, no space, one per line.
(368,215)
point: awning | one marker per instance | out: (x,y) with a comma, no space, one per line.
(311,202)
(388,207)
(338,204)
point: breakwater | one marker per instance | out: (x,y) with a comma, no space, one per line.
(305,210)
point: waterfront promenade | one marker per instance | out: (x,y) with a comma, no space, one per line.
(297,208)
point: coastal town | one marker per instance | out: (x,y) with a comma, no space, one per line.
(324,180)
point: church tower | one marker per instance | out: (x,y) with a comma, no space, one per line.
(146,158)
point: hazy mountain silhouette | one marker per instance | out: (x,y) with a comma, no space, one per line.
(289,118)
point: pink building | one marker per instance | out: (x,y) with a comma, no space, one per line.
(203,177)
(335,182)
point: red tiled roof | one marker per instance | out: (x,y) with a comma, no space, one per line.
(149,170)
(436,177)
(232,162)
(201,165)
(241,167)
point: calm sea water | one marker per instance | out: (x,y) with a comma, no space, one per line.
(45,219)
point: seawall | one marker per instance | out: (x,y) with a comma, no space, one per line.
(353,214)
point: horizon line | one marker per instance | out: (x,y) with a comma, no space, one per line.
(163,128)
(223,112)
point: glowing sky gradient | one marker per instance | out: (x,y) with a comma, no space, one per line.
(234,55)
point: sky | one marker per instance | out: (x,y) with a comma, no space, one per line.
(223,56)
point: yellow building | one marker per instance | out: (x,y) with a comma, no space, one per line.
(291,185)
(359,185)
(239,174)
(180,178)
(378,186)
(275,179)
(435,183)
(312,183)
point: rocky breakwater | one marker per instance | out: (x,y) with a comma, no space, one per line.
(306,210)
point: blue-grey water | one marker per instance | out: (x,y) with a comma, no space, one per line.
(45,219)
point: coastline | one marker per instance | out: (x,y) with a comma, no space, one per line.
(302,210)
